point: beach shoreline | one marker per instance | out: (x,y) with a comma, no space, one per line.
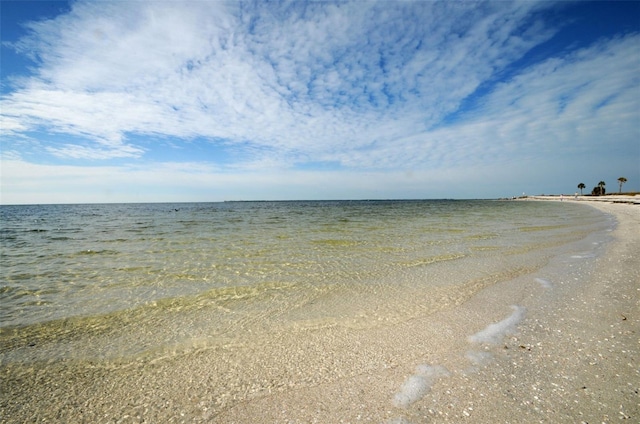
(609,198)
(533,349)
(556,345)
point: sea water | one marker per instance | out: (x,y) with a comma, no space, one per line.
(124,281)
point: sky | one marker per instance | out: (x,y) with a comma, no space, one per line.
(176,101)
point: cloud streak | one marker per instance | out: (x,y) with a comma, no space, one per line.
(298,79)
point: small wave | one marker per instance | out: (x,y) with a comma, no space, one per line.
(219,294)
(97,252)
(485,248)
(433,259)
(234,220)
(535,228)
(37,302)
(483,236)
(19,301)
(118,240)
(336,242)
(7,289)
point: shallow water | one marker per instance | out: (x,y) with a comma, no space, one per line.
(122,281)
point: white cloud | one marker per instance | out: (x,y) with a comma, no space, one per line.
(369,86)
(309,80)
(199,181)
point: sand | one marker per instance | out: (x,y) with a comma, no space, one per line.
(558,345)
(609,198)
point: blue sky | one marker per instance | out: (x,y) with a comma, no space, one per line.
(139,101)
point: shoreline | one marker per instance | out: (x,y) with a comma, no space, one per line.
(556,345)
(539,348)
(609,198)
(574,357)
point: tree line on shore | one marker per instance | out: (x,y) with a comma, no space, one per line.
(599,190)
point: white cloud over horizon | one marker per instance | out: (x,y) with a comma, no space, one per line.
(333,99)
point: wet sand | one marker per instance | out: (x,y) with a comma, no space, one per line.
(557,345)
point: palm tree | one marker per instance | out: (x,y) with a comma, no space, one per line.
(581,186)
(601,184)
(621,180)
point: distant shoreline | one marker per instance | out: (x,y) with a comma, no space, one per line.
(611,198)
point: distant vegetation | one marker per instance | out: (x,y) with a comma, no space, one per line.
(621,180)
(599,190)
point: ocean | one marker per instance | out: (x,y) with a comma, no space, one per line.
(130,282)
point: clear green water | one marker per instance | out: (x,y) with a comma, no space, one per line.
(120,281)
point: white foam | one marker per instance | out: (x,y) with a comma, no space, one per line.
(544,283)
(493,333)
(414,388)
(419,384)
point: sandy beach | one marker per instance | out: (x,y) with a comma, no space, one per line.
(560,344)
(610,198)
